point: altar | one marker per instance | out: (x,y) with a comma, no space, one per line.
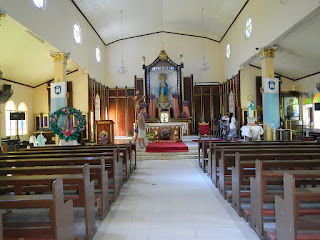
(168,131)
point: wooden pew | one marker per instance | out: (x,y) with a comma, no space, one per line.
(76,152)
(124,149)
(287,209)
(228,160)
(113,166)
(258,170)
(205,146)
(84,198)
(215,153)
(97,173)
(61,226)
(259,187)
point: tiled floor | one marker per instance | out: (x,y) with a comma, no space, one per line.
(172,200)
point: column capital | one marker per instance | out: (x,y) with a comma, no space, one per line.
(267,53)
(59,57)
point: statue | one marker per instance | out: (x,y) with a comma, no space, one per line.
(250,113)
(163,89)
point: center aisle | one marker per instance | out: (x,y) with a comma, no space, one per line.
(172,199)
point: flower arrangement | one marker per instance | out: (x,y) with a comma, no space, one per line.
(136,130)
(175,95)
(165,134)
(183,115)
(145,115)
(68,132)
(152,96)
(151,136)
(185,103)
(143,105)
(164,109)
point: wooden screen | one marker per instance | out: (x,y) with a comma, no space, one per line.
(121,110)
(233,85)
(206,105)
(187,91)
(95,89)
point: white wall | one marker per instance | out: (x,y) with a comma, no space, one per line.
(55,25)
(20,94)
(270,19)
(150,46)
(248,84)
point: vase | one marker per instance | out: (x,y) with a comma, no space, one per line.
(176,110)
(185,109)
(152,109)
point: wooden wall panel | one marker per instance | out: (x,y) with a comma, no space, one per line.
(122,110)
(113,110)
(121,117)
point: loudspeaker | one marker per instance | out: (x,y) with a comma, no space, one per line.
(17,116)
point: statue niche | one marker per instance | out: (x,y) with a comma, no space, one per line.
(162,79)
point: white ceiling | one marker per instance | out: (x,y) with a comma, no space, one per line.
(298,52)
(23,58)
(145,16)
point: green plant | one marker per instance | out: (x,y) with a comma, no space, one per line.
(151,136)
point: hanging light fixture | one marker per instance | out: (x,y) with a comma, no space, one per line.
(123,68)
(204,66)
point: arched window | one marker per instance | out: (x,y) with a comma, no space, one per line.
(22,124)
(11,125)
(316,101)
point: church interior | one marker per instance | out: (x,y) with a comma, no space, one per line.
(159,120)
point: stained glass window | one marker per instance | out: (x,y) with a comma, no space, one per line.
(248,28)
(228,51)
(77,33)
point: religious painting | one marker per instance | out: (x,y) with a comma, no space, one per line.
(163,75)
(291,108)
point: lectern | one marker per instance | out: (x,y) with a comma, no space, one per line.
(106,126)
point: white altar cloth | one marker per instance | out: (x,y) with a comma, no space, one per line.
(251,131)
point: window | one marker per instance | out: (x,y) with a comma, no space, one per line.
(22,124)
(41,4)
(77,33)
(228,51)
(248,28)
(316,112)
(11,125)
(98,54)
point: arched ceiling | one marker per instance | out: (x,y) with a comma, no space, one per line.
(145,16)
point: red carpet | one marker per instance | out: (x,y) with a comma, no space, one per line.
(167,147)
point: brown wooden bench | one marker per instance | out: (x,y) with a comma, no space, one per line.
(288,221)
(205,146)
(259,170)
(61,214)
(228,160)
(215,153)
(75,152)
(84,198)
(113,166)
(268,183)
(97,173)
(125,151)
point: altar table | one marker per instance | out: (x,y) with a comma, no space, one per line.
(178,129)
(253,132)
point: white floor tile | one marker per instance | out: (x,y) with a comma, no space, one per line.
(172,200)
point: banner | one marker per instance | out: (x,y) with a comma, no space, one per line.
(271,105)
(58,91)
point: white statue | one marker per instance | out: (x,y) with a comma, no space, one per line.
(251,119)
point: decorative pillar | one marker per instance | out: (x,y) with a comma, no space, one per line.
(58,89)
(271,105)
